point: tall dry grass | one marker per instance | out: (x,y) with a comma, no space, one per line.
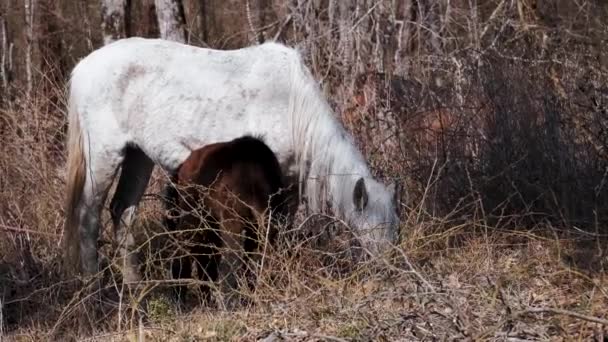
(453,276)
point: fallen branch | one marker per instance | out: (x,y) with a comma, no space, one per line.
(563,312)
(486,333)
(277,335)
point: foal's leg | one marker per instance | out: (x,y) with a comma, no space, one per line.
(134,177)
(181,268)
(204,263)
(260,234)
(253,238)
(230,262)
(170,196)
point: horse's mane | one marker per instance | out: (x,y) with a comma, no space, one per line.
(322,145)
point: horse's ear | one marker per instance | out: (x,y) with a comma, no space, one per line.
(360,195)
(395,189)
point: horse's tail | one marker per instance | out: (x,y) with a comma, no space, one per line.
(76,177)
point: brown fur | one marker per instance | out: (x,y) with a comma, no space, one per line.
(234,182)
(76,167)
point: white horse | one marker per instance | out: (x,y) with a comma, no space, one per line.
(139,102)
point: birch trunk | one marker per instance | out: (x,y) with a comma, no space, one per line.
(171,20)
(4,47)
(6,56)
(114,19)
(6,63)
(30,6)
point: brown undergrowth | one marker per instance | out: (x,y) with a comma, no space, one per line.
(494,286)
(450,278)
(458,273)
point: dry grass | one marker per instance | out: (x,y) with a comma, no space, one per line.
(491,287)
(446,280)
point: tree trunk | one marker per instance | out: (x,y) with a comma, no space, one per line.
(6,67)
(149,24)
(203,25)
(115,18)
(51,49)
(4,47)
(264,9)
(30,7)
(171,20)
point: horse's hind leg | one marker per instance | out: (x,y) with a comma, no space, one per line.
(134,177)
(100,175)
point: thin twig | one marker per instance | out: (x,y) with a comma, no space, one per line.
(371,9)
(26,231)
(282,27)
(416,273)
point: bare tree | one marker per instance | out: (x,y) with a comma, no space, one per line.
(6,48)
(202,20)
(148,25)
(30,7)
(264,7)
(171,19)
(115,19)
(6,62)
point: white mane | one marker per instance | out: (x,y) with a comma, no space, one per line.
(328,161)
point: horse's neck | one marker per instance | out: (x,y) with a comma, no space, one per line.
(329,163)
(335,164)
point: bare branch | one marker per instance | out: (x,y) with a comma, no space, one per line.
(562,312)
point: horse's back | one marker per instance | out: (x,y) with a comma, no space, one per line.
(152,52)
(169,98)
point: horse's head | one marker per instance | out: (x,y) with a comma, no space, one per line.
(374,214)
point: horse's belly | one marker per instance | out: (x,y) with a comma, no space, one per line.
(169,139)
